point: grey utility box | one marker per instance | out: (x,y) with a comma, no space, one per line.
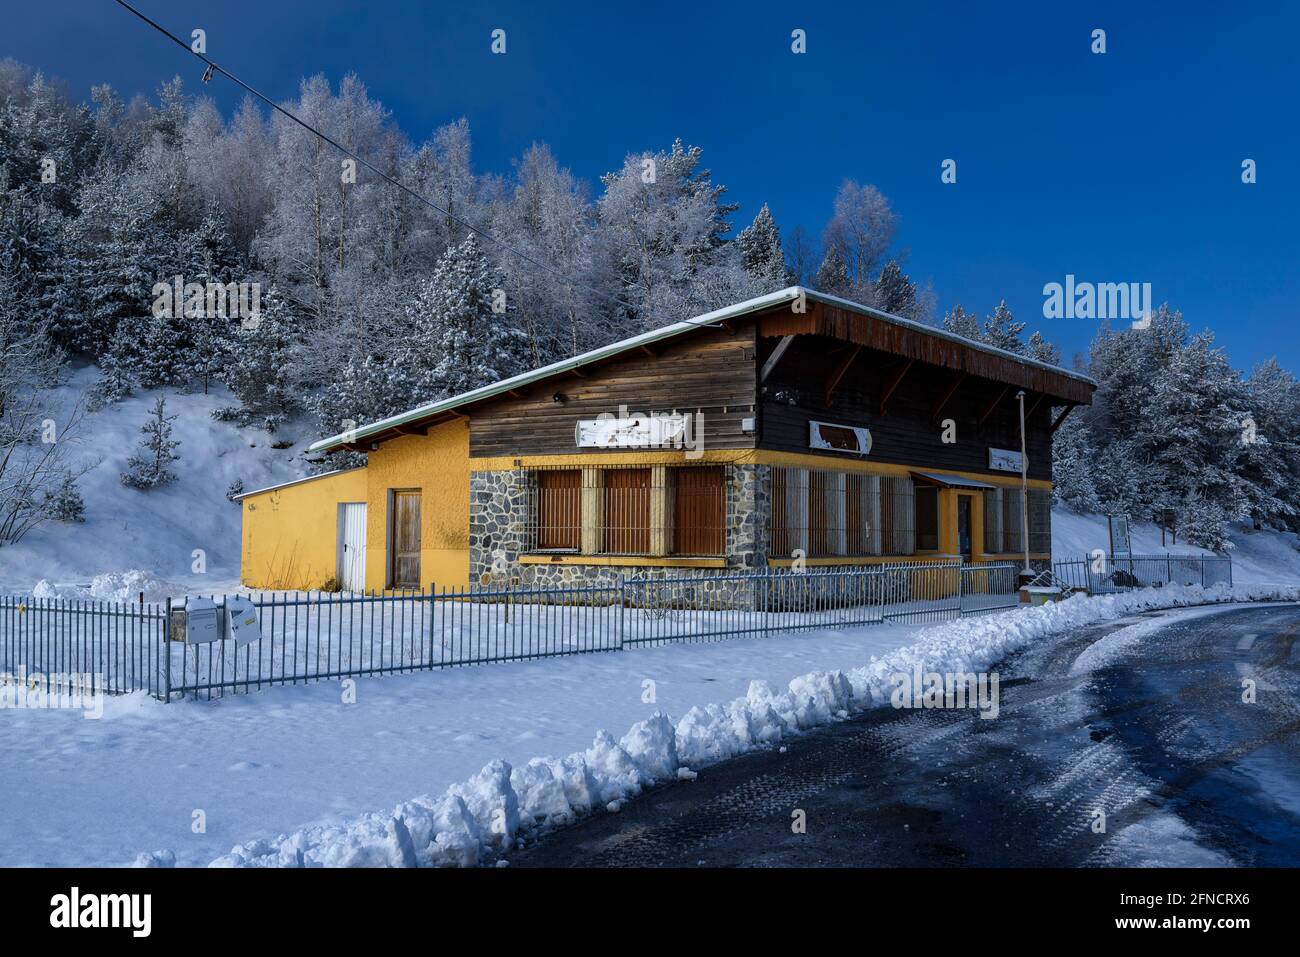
(241,621)
(201,623)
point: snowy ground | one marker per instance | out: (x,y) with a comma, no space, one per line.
(98,792)
(256,768)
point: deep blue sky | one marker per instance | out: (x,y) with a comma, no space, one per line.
(1119,167)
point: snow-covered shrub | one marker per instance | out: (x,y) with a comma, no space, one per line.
(147,466)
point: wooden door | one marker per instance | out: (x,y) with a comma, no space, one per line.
(404,540)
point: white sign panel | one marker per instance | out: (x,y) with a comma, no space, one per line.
(635,432)
(839,438)
(1004,460)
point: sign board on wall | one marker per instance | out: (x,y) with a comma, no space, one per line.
(839,438)
(635,432)
(1004,460)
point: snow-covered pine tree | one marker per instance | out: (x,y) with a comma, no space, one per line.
(762,254)
(833,275)
(1002,330)
(148,465)
(963,323)
(1269,447)
(260,369)
(1073,461)
(1042,350)
(468,317)
(895,292)
(1194,423)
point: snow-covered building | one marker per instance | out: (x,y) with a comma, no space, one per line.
(792,427)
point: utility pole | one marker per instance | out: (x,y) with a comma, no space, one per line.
(1026,573)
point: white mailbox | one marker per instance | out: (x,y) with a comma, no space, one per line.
(201,626)
(241,621)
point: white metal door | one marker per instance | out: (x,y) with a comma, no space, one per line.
(352,545)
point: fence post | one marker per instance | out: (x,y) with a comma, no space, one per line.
(167,652)
(622,609)
(1202,571)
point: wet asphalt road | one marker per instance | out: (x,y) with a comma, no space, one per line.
(1159,740)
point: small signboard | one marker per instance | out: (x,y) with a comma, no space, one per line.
(1120,546)
(1005,460)
(634,432)
(839,438)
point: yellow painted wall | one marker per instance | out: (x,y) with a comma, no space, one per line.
(438,464)
(290,534)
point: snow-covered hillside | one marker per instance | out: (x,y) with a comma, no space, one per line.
(155,532)
(146,540)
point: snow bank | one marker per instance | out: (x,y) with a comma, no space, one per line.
(484,817)
(111,586)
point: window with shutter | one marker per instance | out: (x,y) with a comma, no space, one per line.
(558,506)
(699,510)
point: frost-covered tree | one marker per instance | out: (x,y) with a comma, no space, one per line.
(148,465)
(832,275)
(468,317)
(895,292)
(1194,422)
(1042,350)
(1002,330)
(260,366)
(963,323)
(860,231)
(661,232)
(1269,447)
(762,254)
(1073,462)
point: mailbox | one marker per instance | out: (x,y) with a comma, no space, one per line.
(241,621)
(201,625)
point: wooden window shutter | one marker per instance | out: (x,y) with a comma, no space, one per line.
(699,510)
(627,511)
(993,521)
(1040,520)
(559,508)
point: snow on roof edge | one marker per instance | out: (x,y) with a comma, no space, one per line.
(298,481)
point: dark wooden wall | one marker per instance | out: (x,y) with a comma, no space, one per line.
(712,372)
(795,393)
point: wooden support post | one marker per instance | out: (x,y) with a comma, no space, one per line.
(775,357)
(946,396)
(892,384)
(838,373)
(988,409)
(1061,418)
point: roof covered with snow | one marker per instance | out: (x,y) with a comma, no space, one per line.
(748,307)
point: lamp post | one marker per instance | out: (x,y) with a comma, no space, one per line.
(1026,573)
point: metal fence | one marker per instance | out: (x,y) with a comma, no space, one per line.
(61,645)
(327,636)
(1104,574)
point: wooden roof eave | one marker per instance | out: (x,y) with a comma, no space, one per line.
(831,321)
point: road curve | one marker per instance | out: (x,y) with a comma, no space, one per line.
(1119,745)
